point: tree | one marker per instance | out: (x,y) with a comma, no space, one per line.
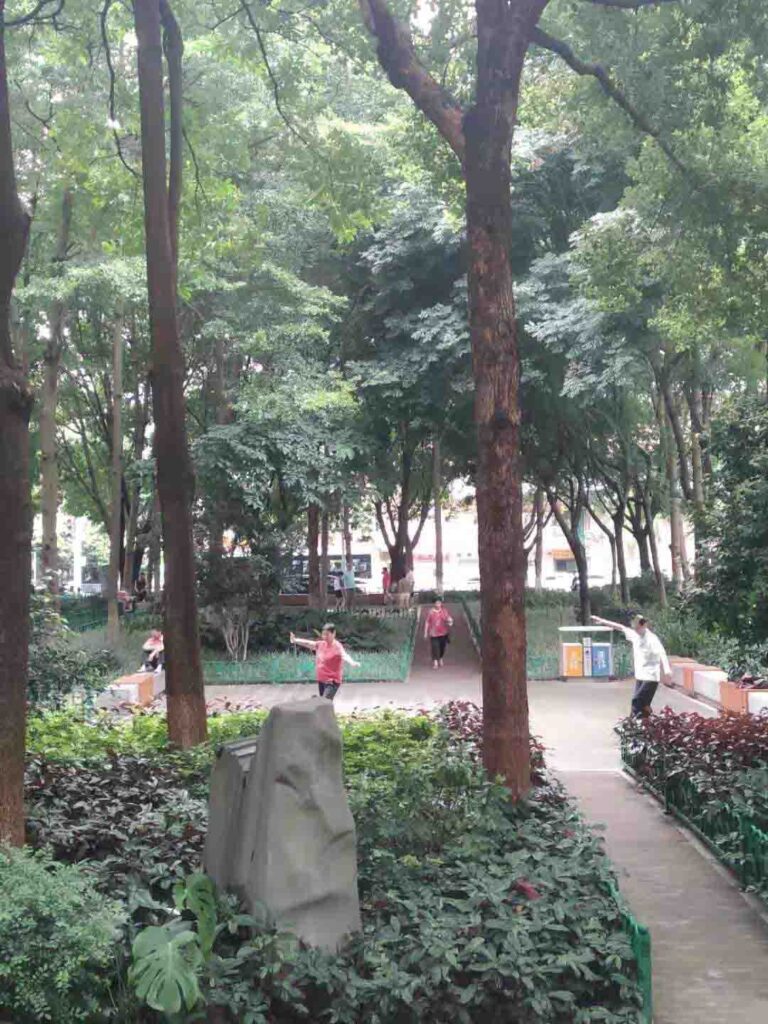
(15,512)
(481,138)
(184,677)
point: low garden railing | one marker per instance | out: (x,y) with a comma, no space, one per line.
(733,836)
(640,939)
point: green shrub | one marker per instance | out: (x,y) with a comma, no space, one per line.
(57,941)
(58,664)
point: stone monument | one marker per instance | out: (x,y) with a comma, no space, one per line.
(280,832)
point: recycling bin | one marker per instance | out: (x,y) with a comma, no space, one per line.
(602,661)
(572,660)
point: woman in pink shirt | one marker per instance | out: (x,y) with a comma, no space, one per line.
(329,660)
(437,628)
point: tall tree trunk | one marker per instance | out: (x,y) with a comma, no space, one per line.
(153,545)
(503,34)
(324,563)
(639,530)
(621,560)
(437,493)
(313,534)
(49,466)
(482,140)
(539,542)
(612,543)
(346,536)
(660,583)
(225,414)
(572,533)
(116,509)
(132,563)
(184,678)
(15,508)
(675,523)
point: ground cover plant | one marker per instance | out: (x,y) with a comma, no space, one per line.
(713,771)
(474,909)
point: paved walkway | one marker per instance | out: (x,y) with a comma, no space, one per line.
(710,943)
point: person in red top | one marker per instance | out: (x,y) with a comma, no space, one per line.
(437,628)
(329,660)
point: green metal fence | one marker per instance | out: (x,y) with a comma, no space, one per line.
(84,613)
(280,667)
(736,839)
(640,939)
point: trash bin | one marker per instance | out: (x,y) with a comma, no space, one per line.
(602,660)
(572,660)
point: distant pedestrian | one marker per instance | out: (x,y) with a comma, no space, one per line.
(330,656)
(338,591)
(349,586)
(437,629)
(650,659)
(386,580)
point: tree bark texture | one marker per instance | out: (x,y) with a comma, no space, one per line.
(313,536)
(503,34)
(437,491)
(49,463)
(184,678)
(15,505)
(116,508)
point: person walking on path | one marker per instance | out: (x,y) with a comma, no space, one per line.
(651,662)
(349,586)
(330,656)
(437,629)
(386,581)
(338,591)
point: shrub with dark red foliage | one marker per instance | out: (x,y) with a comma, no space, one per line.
(670,742)
(712,770)
(464,720)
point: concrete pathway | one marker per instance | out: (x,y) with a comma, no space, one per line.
(710,943)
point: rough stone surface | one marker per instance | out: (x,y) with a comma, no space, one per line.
(291,844)
(230,773)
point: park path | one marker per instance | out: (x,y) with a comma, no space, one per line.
(710,943)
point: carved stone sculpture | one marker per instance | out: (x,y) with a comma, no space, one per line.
(291,844)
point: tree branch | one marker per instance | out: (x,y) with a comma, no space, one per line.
(112,80)
(273,80)
(405,71)
(173,47)
(38,14)
(609,87)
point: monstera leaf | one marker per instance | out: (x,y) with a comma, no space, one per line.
(198,895)
(164,969)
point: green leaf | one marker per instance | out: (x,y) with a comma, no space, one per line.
(164,969)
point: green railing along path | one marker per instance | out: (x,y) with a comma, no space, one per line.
(282,667)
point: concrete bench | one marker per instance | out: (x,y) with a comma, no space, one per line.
(136,688)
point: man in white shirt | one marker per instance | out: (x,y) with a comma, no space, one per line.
(651,662)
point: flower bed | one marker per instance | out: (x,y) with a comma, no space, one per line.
(713,774)
(474,909)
